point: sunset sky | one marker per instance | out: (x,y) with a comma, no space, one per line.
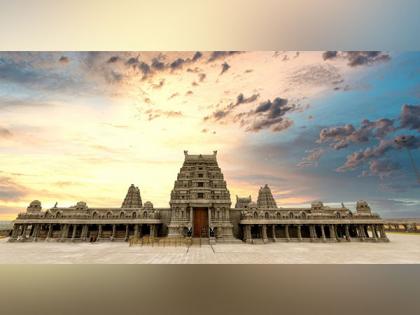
(312,125)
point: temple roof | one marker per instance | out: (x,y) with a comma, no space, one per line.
(265,198)
(200,156)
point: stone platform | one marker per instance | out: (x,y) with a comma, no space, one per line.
(402,248)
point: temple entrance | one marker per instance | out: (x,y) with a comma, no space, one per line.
(201,222)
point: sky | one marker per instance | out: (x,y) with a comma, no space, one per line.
(313,125)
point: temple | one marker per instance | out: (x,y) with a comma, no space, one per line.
(200,207)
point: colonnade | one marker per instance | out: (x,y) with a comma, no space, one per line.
(313,232)
(402,227)
(81,232)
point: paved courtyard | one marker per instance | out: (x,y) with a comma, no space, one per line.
(403,248)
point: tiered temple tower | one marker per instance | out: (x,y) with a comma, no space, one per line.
(265,198)
(133,198)
(200,201)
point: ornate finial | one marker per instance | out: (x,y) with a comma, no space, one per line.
(214,152)
(185,152)
(56,203)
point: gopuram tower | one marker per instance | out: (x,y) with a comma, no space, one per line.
(265,198)
(200,201)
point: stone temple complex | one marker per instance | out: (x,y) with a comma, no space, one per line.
(200,207)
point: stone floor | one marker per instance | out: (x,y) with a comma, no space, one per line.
(403,248)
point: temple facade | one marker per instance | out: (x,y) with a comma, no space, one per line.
(200,207)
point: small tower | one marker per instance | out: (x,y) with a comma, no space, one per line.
(133,198)
(265,198)
(362,207)
(34,207)
(242,202)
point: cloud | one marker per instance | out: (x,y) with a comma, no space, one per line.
(197,56)
(329,55)
(177,64)
(267,115)
(357,58)
(156,113)
(201,77)
(316,75)
(356,158)
(225,67)
(410,117)
(173,95)
(270,115)
(9,190)
(157,64)
(159,85)
(382,167)
(64,60)
(5,133)
(341,136)
(312,158)
(241,99)
(215,55)
(113,59)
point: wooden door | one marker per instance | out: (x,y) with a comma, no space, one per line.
(201,222)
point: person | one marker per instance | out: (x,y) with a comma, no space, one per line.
(211,231)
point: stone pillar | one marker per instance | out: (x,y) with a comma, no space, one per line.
(219,232)
(114,227)
(360,233)
(336,233)
(136,231)
(73,236)
(299,232)
(191,215)
(209,218)
(152,231)
(376,229)
(346,227)
(99,232)
(372,228)
(323,233)
(332,231)
(63,231)
(50,230)
(287,232)
(273,231)
(247,233)
(264,233)
(85,230)
(382,233)
(15,232)
(25,227)
(35,231)
(126,232)
(312,232)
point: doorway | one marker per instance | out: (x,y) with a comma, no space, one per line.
(201,222)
